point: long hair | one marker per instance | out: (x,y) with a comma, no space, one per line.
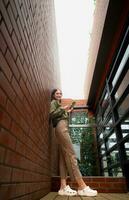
(53,94)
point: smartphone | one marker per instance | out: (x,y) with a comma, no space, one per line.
(73,104)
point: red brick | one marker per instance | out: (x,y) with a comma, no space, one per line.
(21,148)
(20,107)
(24,53)
(17,175)
(13,111)
(11,191)
(7,88)
(18,132)
(5,173)
(5,67)
(24,88)
(7,139)
(5,2)
(12,64)
(8,40)
(105,185)
(6,17)
(21,32)
(24,125)
(17,46)
(17,88)
(3,45)
(13,20)
(14,159)
(5,119)
(13,6)
(2,154)
(3,98)
(21,69)
(25,95)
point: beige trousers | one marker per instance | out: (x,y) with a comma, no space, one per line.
(68,160)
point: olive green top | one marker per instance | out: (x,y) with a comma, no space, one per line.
(57,113)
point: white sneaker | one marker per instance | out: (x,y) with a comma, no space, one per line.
(87,191)
(67,191)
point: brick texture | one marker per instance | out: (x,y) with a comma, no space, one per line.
(101,184)
(28,72)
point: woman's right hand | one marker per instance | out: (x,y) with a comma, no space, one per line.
(65,107)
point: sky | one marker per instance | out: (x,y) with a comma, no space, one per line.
(74,20)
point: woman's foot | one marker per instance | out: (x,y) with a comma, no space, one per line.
(87,191)
(67,191)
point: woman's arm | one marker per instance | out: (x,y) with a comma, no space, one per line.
(56,110)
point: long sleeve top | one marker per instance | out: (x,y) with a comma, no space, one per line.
(57,113)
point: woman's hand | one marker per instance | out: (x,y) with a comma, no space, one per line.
(67,108)
(70,110)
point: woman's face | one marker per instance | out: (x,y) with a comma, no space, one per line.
(58,95)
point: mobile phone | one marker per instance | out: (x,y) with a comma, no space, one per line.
(73,104)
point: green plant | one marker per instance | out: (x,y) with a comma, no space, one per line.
(84,137)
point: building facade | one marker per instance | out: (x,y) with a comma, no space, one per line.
(109,87)
(28,72)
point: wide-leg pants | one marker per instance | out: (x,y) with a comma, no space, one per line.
(68,161)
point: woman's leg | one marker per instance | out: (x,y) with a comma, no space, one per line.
(81,183)
(66,145)
(63,170)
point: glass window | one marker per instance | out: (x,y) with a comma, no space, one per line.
(114,157)
(102,149)
(79,117)
(121,66)
(83,141)
(104,162)
(108,127)
(106,172)
(111,141)
(117,171)
(99,116)
(127,149)
(101,137)
(105,103)
(124,106)
(125,127)
(122,86)
(106,112)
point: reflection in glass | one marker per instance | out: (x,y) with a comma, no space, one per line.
(122,86)
(104,162)
(117,171)
(111,140)
(125,127)
(127,149)
(98,117)
(83,141)
(124,106)
(106,172)
(106,112)
(121,66)
(79,118)
(102,149)
(105,103)
(108,127)
(114,157)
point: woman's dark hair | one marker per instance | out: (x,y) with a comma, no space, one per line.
(53,93)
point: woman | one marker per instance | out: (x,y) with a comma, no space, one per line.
(68,161)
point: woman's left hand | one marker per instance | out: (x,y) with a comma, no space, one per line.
(70,110)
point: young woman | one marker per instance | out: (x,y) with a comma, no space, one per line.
(68,161)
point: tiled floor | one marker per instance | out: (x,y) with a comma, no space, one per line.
(101,196)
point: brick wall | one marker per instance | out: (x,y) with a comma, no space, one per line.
(101,184)
(28,71)
(79,102)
